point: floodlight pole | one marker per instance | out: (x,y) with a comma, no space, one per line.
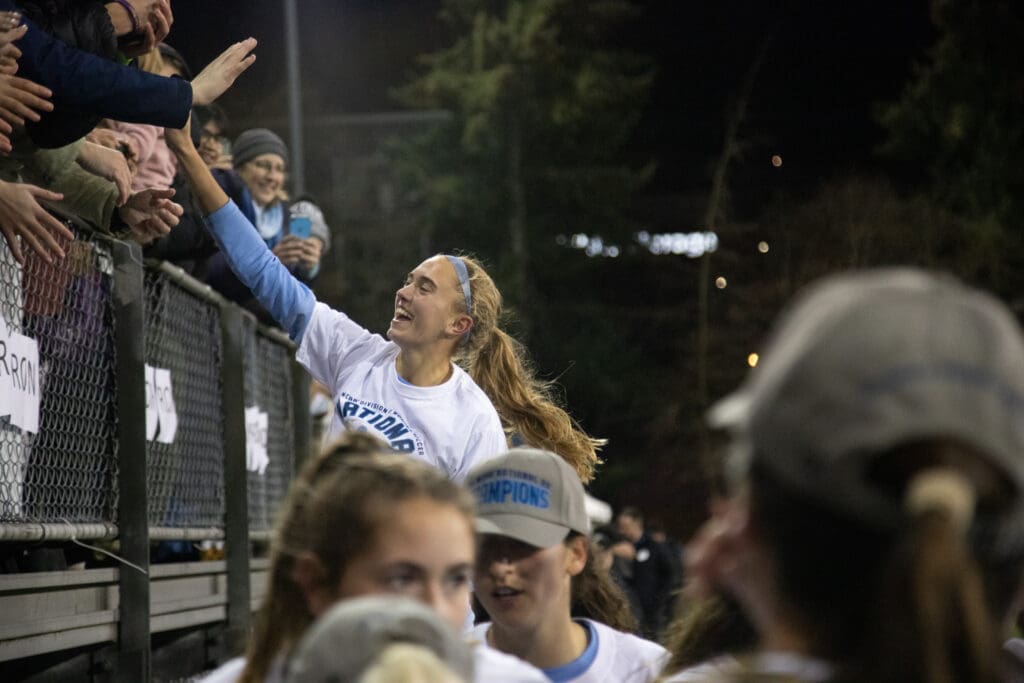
(291,42)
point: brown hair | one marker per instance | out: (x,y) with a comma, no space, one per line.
(913,601)
(498,364)
(706,629)
(596,596)
(333,510)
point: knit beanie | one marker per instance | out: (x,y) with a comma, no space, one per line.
(255,142)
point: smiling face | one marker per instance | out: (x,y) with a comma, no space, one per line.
(422,549)
(522,586)
(426,306)
(264,176)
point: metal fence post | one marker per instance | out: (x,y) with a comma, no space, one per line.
(236,498)
(300,403)
(132,515)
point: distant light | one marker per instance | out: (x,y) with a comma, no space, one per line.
(612,251)
(776,160)
(561,240)
(721,283)
(691,244)
(752,360)
(762,247)
(580,241)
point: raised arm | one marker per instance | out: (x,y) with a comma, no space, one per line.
(288,300)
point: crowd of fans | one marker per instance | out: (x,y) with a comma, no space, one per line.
(875,530)
(83,134)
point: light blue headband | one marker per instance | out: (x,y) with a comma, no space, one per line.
(460,269)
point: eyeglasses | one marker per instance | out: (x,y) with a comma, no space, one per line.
(268,166)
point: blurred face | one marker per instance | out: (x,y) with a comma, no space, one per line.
(522,586)
(630,527)
(264,176)
(211,143)
(425,306)
(422,550)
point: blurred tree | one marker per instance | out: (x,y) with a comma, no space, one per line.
(962,119)
(542,109)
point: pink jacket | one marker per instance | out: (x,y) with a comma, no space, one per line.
(157,164)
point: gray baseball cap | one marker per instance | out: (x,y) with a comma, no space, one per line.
(868,361)
(530,495)
(348,638)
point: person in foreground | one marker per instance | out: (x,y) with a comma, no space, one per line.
(535,571)
(381,639)
(361,522)
(409,390)
(877,527)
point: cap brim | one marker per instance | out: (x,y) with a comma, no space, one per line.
(531,531)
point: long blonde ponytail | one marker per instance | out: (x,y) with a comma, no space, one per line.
(526,405)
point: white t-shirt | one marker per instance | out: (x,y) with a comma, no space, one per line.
(620,657)
(452,426)
(489,666)
(776,664)
(714,670)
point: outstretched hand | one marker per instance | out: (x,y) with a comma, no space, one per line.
(21,99)
(150,214)
(222,72)
(22,219)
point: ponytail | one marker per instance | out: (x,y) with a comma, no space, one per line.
(526,405)
(596,596)
(907,601)
(934,623)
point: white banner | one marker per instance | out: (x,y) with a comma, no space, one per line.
(165,405)
(152,417)
(20,384)
(256,456)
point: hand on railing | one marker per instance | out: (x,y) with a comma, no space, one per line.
(22,217)
(150,214)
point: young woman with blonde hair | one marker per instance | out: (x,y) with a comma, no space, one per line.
(446,384)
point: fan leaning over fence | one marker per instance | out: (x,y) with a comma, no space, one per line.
(409,390)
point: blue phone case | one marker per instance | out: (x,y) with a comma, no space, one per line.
(299,226)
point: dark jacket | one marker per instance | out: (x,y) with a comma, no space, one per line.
(85,84)
(84,25)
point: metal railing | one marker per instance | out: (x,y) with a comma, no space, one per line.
(142,407)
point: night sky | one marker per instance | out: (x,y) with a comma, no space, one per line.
(826,66)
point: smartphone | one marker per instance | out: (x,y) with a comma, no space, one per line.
(299,226)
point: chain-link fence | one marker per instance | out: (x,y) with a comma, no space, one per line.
(58,458)
(268,377)
(184,421)
(59,411)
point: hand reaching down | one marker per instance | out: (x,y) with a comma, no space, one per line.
(150,214)
(22,219)
(155,19)
(109,164)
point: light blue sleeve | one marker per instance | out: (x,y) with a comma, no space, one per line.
(288,300)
